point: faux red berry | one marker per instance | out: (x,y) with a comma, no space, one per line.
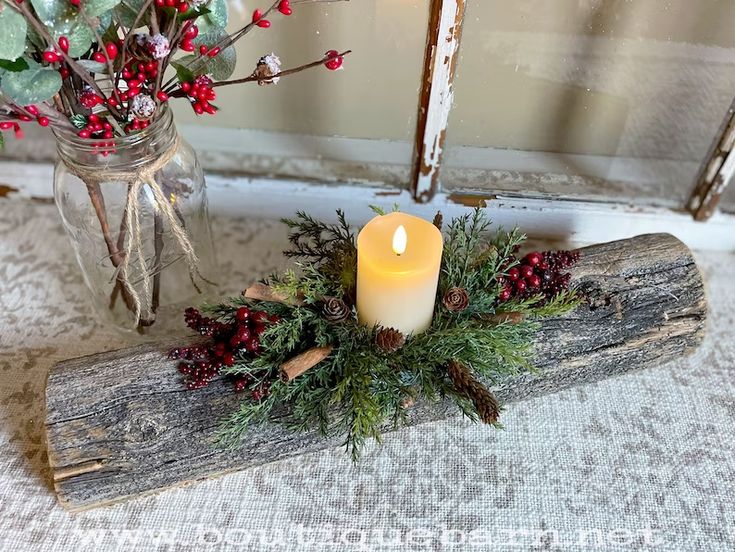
(260,317)
(534,258)
(285,7)
(43,121)
(526,271)
(228,359)
(111,49)
(533,281)
(242,314)
(514,274)
(335,60)
(64,44)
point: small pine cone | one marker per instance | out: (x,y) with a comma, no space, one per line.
(389,340)
(438,220)
(335,309)
(456,299)
(464,382)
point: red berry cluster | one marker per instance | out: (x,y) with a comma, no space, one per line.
(26,115)
(99,128)
(201,364)
(538,273)
(285,7)
(7,125)
(259,21)
(334,60)
(138,75)
(200,93)
(191,31)
(182,6)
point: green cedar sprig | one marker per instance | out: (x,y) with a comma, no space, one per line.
(359,391)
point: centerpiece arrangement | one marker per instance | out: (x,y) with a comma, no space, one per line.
(366,326)
(100,74)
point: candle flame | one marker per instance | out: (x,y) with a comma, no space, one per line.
(400,240)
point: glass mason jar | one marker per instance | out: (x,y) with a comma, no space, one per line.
(135,209)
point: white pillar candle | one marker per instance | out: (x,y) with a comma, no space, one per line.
(398,263)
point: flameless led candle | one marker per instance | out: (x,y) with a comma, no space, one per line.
(398,262)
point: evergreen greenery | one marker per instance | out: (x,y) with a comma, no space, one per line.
(359,390)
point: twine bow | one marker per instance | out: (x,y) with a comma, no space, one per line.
(144,176)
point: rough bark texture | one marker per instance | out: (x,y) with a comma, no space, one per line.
(120,424)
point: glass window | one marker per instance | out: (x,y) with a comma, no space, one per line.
(358,123)
(579,98)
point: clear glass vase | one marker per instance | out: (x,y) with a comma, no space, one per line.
(135,209)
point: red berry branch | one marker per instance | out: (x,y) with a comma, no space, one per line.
(228,342)
(127,86)
(538,273)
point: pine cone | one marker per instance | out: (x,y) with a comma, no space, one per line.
(438,220)
(335,310)
(389,340)
(456,299)
(465,383)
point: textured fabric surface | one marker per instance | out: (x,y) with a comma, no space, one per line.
(644,461)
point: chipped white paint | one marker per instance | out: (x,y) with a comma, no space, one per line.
(435,113)
(717,171)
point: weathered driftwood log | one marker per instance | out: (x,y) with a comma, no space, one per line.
(121,424)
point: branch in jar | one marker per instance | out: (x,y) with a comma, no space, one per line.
(201,91)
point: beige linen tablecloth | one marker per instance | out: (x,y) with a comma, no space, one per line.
(643,461)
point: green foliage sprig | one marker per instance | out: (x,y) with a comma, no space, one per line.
(360,389)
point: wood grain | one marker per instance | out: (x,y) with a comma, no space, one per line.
(121,424)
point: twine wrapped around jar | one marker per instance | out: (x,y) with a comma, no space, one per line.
(143,176)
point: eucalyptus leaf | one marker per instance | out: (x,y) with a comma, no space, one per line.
(127,11)
(35,84)
(63,19)
(93,66)
(220,66)
(16,65)
(98,7)
(215,19)
(13,29)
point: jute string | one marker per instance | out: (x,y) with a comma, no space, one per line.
(143,176)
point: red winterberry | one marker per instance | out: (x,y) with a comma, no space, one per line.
(64,44)
(242,314)
(534,258)
(111,49)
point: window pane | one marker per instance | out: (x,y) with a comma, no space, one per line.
(612,99)
(371,105)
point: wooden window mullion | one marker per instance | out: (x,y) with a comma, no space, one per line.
(716,172)
(435,99)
